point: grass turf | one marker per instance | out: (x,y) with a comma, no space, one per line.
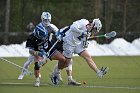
(123,77)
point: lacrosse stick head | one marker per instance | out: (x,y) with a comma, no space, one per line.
(111,34)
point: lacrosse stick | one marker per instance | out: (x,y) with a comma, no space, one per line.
(42,62)
(107,35)
(27,72)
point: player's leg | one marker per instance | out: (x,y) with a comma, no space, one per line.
(37,70)
(55,75)
(55,70)
(26,65)
(68,51)
(71,81)
(92,64)
(68,70)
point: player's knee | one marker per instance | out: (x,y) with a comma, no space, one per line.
(71,62)
(62,59)
(36,67)
(69,67)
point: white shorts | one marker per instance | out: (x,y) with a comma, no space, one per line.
(68,50)
(79,49)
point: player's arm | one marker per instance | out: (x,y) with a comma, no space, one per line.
(74,27)
(37,53)
(53,28)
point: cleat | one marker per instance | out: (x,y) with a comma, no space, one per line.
(37,83)
(60,79)
(20,77)
(103,71)
(74,83)
(54,79)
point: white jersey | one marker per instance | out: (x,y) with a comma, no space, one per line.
(75,31)
(52,28)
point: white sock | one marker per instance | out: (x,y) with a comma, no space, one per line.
(69,77)
(98,71)
(56,70)
(37,79)
(70,65)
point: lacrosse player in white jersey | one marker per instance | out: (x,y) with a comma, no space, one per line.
(75,41)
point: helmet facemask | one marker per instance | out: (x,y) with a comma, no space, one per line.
(46,18)
(46,22)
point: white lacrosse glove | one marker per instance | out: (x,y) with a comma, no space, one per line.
(85,44)
(84,39)
(84,34)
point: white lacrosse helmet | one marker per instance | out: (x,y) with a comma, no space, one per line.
(46,18)
(97,24)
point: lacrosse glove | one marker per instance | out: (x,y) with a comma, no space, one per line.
(59,35)
(41,53)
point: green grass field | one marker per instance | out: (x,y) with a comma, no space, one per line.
(123,77)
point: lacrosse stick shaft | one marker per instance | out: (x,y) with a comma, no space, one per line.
(14,64)
(53,46)
(107,35)
(100,36)
(95,37)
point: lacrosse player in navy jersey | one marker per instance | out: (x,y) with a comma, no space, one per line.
(74,40)
(50,27)
(38,44)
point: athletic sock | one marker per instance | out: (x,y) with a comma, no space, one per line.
(56,70)
(69,78)
(37,79)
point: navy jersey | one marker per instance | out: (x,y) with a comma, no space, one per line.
(35,43)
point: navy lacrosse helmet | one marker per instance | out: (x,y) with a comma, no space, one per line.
(40,33)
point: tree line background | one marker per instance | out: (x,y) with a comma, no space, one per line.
(123,16)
